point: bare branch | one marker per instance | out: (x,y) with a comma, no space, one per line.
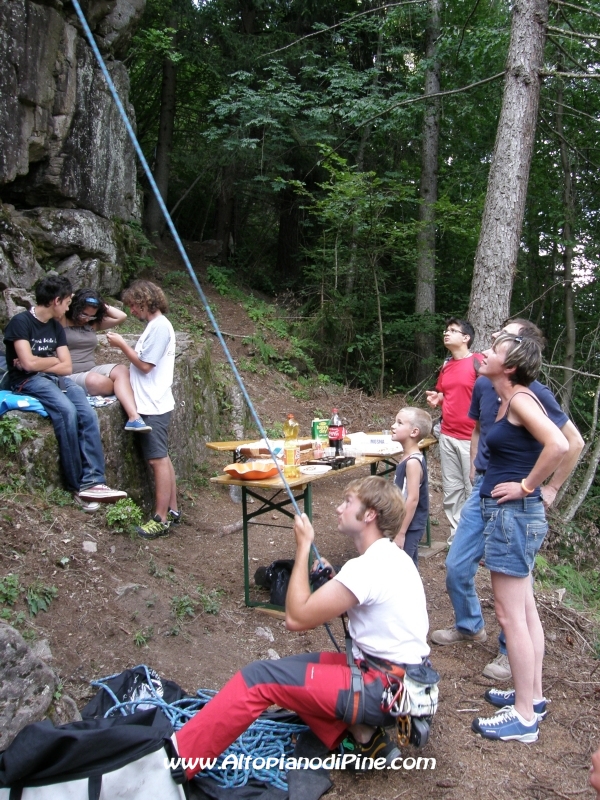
(572,147)
(577,111)
(565,53)
(572,369)
(585,36)
(431,96)
(343,22)
(577,8)
(554,74)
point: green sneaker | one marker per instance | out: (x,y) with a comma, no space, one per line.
(154,528)
(380,746)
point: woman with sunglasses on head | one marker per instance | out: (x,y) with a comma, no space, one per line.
(525,448)
(88,314)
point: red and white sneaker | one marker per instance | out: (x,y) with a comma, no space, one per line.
(102,493)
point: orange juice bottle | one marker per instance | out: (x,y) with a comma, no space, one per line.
(291,448)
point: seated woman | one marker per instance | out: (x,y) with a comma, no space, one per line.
(87,314)
(525,449)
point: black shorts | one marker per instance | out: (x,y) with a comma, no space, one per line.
(155,443)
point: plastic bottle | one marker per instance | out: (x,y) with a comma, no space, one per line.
(291,448)
(336,433)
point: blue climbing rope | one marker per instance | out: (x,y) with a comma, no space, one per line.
(182,251)
(264,739)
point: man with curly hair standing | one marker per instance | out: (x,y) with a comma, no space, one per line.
(152,367)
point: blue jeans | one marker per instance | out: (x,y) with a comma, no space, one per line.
(462,562)
(76,428)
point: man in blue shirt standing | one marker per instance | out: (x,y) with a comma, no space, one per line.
(468,545)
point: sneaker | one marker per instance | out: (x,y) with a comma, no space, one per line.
(102,493)
(85,505)
(498,669)
(450,539)
(507,725)
(137,426)
(453,635)
(380,746)
(501,699)
(174,517)
(154,528)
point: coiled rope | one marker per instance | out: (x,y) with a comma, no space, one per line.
(265,738)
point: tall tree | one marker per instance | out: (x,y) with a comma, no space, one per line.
(428,194)
(499,240)
(154,220)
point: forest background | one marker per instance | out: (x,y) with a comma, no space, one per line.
(340,153)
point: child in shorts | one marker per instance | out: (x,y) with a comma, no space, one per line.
(411,425)
(151,372)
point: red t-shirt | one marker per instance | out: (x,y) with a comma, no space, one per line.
(456,381)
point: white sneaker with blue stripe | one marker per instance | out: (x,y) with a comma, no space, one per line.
(501,698)
(507,724)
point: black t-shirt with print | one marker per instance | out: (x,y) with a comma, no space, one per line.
(44,338)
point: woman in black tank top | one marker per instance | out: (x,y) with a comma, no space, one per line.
(525,447)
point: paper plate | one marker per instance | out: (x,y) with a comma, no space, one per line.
(252,470)
(315,469)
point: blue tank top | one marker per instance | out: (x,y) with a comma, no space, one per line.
(513,452)
(419,520)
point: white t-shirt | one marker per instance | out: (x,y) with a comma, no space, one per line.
(390,620)
(152,390)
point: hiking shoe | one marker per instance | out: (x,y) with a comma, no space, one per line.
(137,426)
(89,506)
(102,493)
(507,725)
(501,699)
(498,669)
(453,635)
(153,528)
(380,746)
(174,517)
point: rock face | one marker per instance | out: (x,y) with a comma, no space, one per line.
(27,688)
(193,423)
(66,162)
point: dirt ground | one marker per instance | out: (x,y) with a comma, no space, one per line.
(128,591)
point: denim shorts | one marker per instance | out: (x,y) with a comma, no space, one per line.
(514,532)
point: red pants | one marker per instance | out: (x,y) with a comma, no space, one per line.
(315,686)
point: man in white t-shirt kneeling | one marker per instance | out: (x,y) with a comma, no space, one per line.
(151,373)
(382,594)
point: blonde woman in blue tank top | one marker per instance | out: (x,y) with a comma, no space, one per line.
(525,448)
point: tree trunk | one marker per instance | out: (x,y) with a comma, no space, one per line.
(360,166)
(288,241)
(155,222)
(498,247)
(225,208)
(568,226)
(428,193)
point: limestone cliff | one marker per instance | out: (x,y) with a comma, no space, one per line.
(67,167)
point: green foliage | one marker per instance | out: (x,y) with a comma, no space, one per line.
(135,247)
(142,637)
(59,497)
(223,280)
(10,589)
(12,434)
(209,599)
(582,586)
(39,596)
(183,607)
(124,515)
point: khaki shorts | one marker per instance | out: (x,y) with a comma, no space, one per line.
(101,369)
